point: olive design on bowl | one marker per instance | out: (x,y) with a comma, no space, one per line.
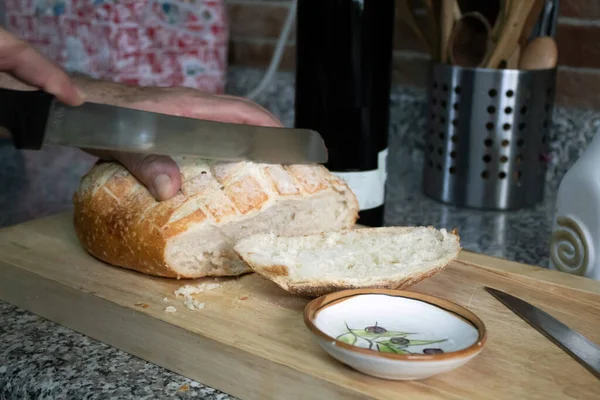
(433,351)
(375,329)
(399,340)
(395,334)
(378,338)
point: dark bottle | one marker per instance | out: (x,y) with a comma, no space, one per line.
(344,51)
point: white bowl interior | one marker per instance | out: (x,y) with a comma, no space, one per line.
(394,324)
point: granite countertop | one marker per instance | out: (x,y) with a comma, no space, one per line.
(39,359)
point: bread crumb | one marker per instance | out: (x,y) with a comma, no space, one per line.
(193,304)
(140,304)
(166,300)
(170,309)
(187,292)
(244,298)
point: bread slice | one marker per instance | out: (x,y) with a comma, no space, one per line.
(317,264)
(192,234)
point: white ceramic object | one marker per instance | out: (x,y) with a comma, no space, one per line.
(394,334)
(576,227)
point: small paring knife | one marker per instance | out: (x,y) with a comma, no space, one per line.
(36,118)
(577,346)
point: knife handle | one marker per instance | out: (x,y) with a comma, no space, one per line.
(25,114)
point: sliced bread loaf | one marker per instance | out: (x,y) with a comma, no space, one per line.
(317,264)
(192,234)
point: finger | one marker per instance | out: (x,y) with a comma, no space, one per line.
(254,111)
(236,112)
(160,174)
(23,62)
(221,108)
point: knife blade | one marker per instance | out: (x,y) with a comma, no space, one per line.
(570,341)
(36,118)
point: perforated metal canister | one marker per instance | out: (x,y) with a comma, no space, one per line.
(487,136)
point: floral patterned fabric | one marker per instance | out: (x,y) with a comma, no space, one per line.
(140,42)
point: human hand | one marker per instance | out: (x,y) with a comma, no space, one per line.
(23,68)
(160,174)
(24,63)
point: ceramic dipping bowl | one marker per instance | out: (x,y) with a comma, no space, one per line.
(395,334)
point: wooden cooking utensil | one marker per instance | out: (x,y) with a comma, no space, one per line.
(500,19)
(513,60)
(427,36)
(430,8)
(456,10)
(532,18)
(432,11)
(510,35)
(447,14)
(470,41)
(540,53)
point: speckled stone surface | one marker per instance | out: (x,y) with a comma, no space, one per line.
(41,360)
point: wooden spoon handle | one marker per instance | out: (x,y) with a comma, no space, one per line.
(405,12)
(511,32)
(513,60)
(532,16)
(500,19)
(456,11)
(433,27)
(446,24)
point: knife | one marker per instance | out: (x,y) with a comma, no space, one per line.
(573,343)
(36,118)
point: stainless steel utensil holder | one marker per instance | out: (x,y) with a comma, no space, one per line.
(487,136)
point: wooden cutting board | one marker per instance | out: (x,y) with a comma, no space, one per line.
(250,340)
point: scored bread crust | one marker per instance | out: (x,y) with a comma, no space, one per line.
(279,275)
(118,221)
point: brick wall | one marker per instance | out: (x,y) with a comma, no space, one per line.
(256,24)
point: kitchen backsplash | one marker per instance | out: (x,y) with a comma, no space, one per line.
(255,26)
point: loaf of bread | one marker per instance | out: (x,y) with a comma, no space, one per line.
(192,235)
(317,264)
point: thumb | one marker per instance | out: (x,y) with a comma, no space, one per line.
(160,174)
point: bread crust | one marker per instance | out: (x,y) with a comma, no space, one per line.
(118,221)
(317,289)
